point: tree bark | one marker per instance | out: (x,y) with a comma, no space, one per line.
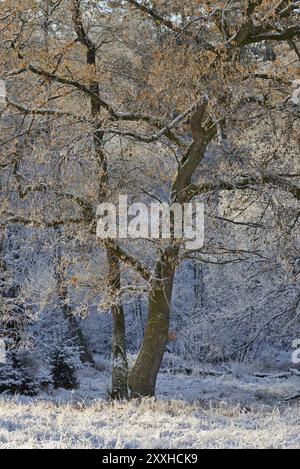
(119,360)
(143,375)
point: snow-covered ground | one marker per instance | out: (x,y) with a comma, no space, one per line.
(201,411)
(161,424)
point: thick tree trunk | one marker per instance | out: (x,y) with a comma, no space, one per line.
(143,375)
(119,360)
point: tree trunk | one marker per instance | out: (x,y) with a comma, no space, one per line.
(143,375)
(119,360)
(120,367)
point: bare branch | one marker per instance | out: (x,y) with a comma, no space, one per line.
(158,18)
(128,259)
(45,112)
(249,182)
